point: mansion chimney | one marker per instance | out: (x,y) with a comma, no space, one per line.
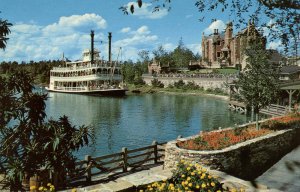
(92,46)
(109,47)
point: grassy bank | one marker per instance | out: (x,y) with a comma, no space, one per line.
(143,89)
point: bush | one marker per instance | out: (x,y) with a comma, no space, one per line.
(187,177)
(139,81)
(179,84)
(192,85)
(157,83)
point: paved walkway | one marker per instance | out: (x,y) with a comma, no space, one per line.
(285,174)
(129,183)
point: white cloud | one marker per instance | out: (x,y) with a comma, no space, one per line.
(69,35)
(141,36)
(271,26)
(146,11)
(218,24)
(195,48)
(80,23)
(125,30)
(169,46)
(274,45)
(135,41)
(143,30)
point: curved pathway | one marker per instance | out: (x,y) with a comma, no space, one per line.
(285,174)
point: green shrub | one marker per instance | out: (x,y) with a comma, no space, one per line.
(179,84)
(157,83)
(192,85)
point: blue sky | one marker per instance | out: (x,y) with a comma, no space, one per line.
(45,29)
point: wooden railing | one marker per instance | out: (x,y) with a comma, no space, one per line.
(96,168)
(275,110)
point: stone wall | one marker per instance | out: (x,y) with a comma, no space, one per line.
(206,83)
(245,160)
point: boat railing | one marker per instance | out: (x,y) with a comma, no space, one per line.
(86,88)
(114,76)
(76,66)
(70,88)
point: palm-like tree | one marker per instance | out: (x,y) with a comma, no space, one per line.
(4,31)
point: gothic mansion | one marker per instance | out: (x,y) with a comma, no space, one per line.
(225,50)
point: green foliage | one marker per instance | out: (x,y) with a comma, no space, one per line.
(132,73)
(199,141)
(179,84)
(29,144)
(138,80)
(39,71)
(258,83)
(181,56)
(4,31)
(226,71)
(162,56)
(216,91)
(157,83)
(191,85)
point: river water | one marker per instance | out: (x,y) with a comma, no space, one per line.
(135,121)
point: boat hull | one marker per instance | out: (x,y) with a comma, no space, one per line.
(106,92)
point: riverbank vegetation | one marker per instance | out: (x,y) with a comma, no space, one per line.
(177,87)
(217,140)
(38,71)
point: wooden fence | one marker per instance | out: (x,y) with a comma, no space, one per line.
(275,110)
(96,168)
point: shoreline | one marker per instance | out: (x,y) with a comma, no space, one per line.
(154,91)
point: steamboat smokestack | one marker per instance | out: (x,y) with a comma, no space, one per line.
(109,47)
(92,46)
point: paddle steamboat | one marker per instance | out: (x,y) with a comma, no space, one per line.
(91,75)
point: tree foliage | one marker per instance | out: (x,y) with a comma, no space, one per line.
(39,71)
(283,23)
(162,56)
(181,56)
(4,31)
(29,143)
(258,83)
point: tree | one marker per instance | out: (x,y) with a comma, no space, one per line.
(162,56)
(28,143)
(4,31)
(145,60)
(182,55)
(284,17)
(258,83)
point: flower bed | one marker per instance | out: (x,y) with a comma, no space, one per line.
(187,177)
(216,140)
(241,150)
(221,139)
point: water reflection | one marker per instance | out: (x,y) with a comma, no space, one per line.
(135,121)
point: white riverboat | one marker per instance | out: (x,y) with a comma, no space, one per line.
(91,75)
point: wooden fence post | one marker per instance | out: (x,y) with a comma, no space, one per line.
(154,143)
(124,151)
(89,170)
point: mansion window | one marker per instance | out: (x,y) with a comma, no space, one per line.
(218,54)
